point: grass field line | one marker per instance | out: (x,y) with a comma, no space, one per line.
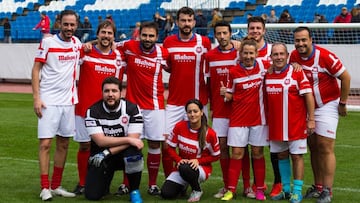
(355,190)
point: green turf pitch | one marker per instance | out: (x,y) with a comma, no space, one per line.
(19,171)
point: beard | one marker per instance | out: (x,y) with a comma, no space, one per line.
(187,33)
(112,107)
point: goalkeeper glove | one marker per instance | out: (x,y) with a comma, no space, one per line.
(98,158)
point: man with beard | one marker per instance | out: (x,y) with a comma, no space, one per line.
(115,126)
(54,100)
(322,68)
(97,64)
(145,62)
(186,63)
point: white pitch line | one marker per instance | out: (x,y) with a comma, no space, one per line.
(355,190)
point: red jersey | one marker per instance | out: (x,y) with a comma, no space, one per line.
(95,67)
(264,53)
(186,140)
(246,86)
(144,75)
(218,63)
(287,115)
(322,69)
(186,63)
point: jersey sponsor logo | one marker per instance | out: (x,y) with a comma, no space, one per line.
(251,85)
(113,132)
(184,58)
(187,149)
(273,90)
(222,71)
(144,63)
(104,69)
(90,123)
(66,58)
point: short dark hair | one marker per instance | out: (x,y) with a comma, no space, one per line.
(150,24)
(249,42)
(185,10)
(111,80)
(68,12)
(105,24)
(222,23)
(256,19)
(302,28)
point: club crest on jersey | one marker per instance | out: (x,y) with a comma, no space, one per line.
(199,50)
(315,69)
(124,120)
(287,81)
(118,62)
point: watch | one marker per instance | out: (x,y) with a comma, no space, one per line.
(341,103)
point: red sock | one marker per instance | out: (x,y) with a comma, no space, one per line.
(246,169)
(167,162)
(224,163)
(234,173)
(56,177)
(125,179)
(259,172)
(82,163)
(44,181)
(319,187)
(153,164)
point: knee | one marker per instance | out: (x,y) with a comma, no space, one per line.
(134,163)
(170,190)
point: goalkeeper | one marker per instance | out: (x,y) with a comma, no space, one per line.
(114,126)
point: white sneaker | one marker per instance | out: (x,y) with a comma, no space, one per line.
(62,192)
(220,193)
(195,196)
(45,194)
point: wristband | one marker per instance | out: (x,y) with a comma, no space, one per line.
(106,152)
(341,103)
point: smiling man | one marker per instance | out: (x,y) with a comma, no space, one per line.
(55,97)
(97,64)
(290,118)
(323,69)
(145,62)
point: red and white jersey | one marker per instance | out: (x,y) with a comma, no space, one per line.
(322,69)
(186,63)
(287,108)
(144,75)
(58,73)
(264,53)
(218,63)
(186,140)
(246,86)
(94,68)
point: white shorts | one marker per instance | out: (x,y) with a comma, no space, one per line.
(326,119)
(154,124)
(81,134)
(174,114)
(221,126)
(57,120)
(254,135)
(294,147)
(175,177)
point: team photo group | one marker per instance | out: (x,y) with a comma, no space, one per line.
(256,95)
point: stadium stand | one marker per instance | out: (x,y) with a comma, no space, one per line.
(24,14)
